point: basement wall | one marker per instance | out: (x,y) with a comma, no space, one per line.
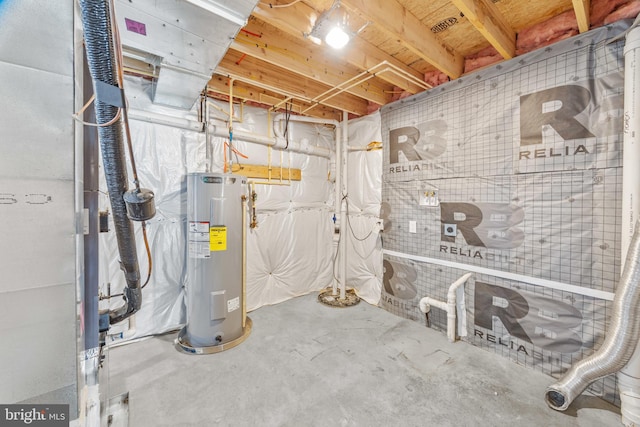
(37,204)
(362,230)
(525,159)
(290,252)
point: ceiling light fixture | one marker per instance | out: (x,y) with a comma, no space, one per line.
(337,37)
(333,30)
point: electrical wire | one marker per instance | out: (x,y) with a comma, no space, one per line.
(335,259)
(235,152)
(134,171)
(120,75)
(287,116)
(361,239)
(276,6)
(77,115)
(349,223)
(149,258)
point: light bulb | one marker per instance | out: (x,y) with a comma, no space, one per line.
(337,38)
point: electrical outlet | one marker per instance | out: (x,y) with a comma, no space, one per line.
(450,230)
(412,227)
(429,198)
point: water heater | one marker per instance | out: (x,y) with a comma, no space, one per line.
(216,310)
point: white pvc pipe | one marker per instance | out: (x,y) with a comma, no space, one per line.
(343,205)
(449,306)
(295,146)
(196,126)
(305,119)
(163,119)
(629,376)
(338,202)
(631,142)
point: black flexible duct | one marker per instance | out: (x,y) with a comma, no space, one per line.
(96,23)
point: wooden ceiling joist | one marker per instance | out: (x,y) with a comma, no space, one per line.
(275,62)
(307,61)
(488,20)
(399,23)
(582,9)
(297,21)
(255,71)
(219,87)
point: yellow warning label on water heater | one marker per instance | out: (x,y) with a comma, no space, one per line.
(218,238)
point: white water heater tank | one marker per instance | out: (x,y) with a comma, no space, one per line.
(216,314)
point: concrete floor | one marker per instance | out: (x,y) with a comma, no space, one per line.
(306,364)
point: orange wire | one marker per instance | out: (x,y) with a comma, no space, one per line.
(226,145)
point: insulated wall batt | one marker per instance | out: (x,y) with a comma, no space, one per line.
(364,249)
(525,160)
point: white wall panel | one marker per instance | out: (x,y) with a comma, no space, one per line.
(37,203)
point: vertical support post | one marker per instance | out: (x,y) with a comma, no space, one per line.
(343,202)
(91,149)
(337,211)
(629,376)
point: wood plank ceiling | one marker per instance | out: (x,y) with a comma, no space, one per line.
(404,47)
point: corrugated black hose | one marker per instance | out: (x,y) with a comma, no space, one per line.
(99,45)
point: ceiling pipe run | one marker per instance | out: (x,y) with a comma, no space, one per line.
(345,86)
(361,78)
(223,132)
(301,146)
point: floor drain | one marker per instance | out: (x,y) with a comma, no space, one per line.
(326,297)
